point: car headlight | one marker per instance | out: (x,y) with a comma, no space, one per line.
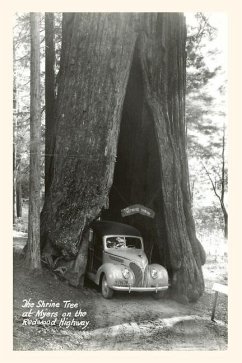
(126,273)
(154,273)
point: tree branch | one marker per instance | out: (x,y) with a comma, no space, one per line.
(212,182)
(223,166)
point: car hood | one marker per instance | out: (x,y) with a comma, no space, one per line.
(137,256)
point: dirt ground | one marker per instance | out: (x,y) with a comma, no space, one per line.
(127,322)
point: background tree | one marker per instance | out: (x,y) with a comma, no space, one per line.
(49,96)
(33,243)
(21,56)
(21,51)
(205,115)
(106,59)
(218,177)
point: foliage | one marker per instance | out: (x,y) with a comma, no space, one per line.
(198,73)
(205,115)
(21,51)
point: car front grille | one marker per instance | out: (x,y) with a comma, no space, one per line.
(145,283)
(137,273)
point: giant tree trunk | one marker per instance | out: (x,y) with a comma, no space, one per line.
(120,139)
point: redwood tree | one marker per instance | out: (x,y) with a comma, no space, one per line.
(49,96)
(33,243)
(120,139)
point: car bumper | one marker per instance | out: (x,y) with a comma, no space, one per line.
(139,289)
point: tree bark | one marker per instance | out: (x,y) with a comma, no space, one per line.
(95,104)
(164,78)
(122,78)
(225,215)
(19,194)
(223,182)
(14,179)
(33,243)
(14,137)
(49,97)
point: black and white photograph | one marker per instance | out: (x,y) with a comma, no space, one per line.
(120,181)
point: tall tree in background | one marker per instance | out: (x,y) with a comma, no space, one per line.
(14,137)
(218,177)
(49,96)
(21,52)
(33,244)
(120,130)
(21,56)
(17,172)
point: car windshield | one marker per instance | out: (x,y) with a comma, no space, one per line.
(123,242)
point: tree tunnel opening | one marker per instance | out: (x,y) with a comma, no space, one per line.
(137,174)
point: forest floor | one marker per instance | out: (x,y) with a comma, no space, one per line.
(133,321)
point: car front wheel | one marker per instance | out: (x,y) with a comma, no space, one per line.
(107,293)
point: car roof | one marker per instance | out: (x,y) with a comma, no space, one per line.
(108,228)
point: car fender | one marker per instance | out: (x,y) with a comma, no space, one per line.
(162,274)
(111,271)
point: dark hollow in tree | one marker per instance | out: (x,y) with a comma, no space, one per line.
(120,139)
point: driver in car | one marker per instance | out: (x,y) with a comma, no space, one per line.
(116,242)
(120,242)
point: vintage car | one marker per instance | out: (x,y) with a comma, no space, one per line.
(117,261)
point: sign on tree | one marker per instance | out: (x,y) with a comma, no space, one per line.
(137,208)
